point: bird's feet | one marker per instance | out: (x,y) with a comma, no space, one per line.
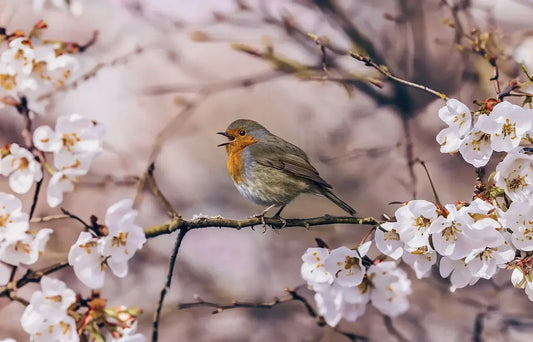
(263,221)
(282,220)
(262,217)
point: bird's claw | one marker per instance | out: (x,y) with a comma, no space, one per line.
(262,217)
(282,220)
(263,221)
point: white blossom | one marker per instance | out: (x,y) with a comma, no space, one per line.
(26,250)
(46,318)
(390,288)
(484,262)
(60,183)
(476,148)
(20,165)
(90,254)
(388,240)
(30,69)
(124,238)
(88,263)
(459,120)
(464,229)
(75,142)
(507,124)
(413,222)
(421,260)
(13,222)
(340,302)
(73,134)
(313,268)
(523,53)
(460,274)
(346,266)
(519,219)
(515,175)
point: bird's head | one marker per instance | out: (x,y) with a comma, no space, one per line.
(242,133)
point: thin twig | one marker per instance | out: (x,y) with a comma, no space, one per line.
(274,222)
(48,218)
(158,194)
(293,296)
(29,277)
(91,73)
(437,200)
(164,290)
(35,276)
(19,299)
(35,197)
(77,218)
(234,304)
(12,273)
(386,72)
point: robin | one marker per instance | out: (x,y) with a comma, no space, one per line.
(269,170)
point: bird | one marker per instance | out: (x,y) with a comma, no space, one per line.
(271,171)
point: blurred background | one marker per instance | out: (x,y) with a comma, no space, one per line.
(164,76)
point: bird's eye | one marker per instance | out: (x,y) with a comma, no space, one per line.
(242,132)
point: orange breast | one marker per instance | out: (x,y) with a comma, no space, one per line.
(235,163)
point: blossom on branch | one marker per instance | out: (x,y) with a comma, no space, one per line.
(75,142)
(20,165)
(343,285)
(90,254)
(47,318)
(30,66)
(500,130)
(507,124)
(17,244)
(515,175)
(457,115)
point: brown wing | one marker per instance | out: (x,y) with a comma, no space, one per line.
(287,157)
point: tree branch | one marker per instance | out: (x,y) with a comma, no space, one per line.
(48,218)
(276,223)
(173,213)
(165,288)
(383,70)
(293,296)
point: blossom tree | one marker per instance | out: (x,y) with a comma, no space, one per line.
(63,182)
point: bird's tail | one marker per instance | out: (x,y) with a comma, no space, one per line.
(333,198)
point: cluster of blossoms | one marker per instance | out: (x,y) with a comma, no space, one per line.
(55,314)
(75,142)
(31,65)
(18,245)
(497,127)
(469,239)
(112,244)
(344,284)
(47,317)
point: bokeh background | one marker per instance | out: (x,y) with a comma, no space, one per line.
(163,78)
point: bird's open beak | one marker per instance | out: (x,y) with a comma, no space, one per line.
(227,135)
